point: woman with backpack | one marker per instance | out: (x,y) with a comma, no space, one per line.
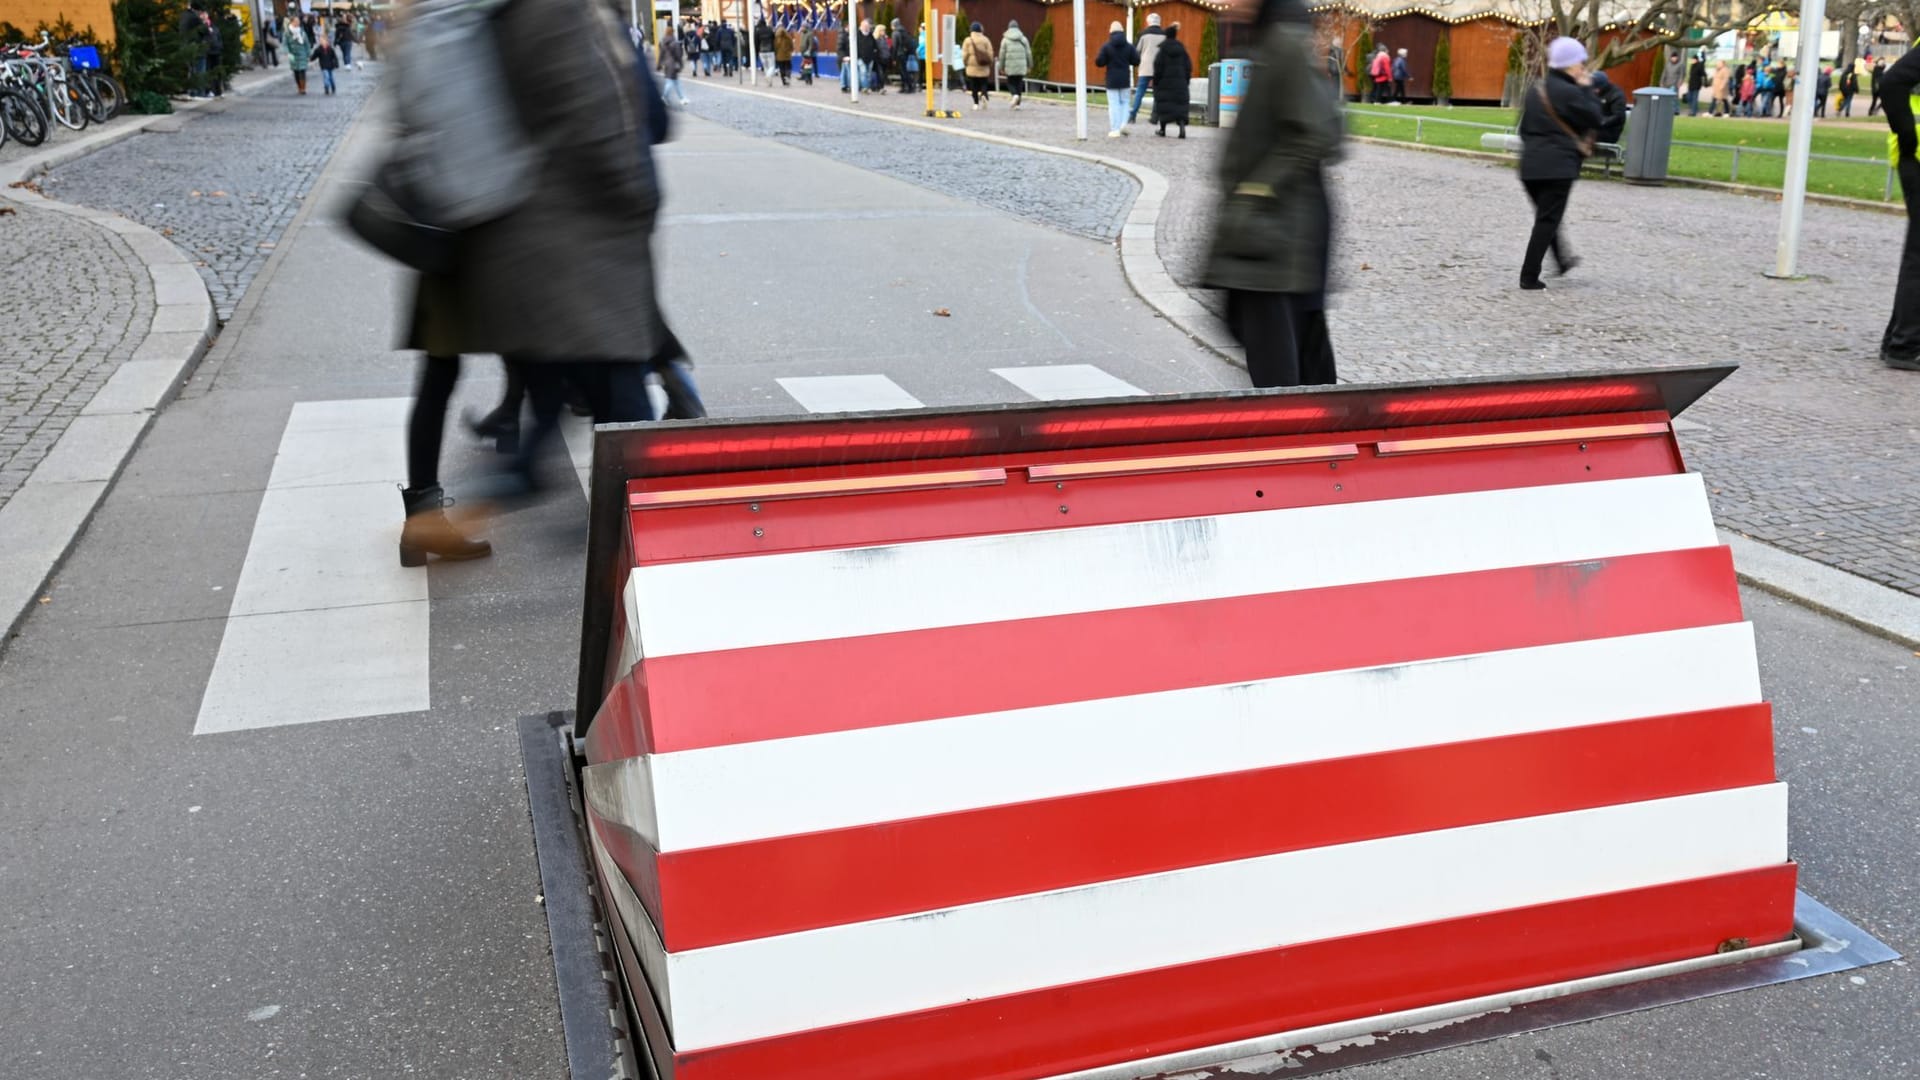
(976,56)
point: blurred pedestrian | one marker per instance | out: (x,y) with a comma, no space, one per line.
(270,38)
(671,59)
(1849,86)
(1696,80)
(910,48)
(1613,108)
(1557,130)
(1747,90)
(1380,70)
(299,48)
(882,58)
(763,45)
(809,55)
(1822,90)
(327,58)
(899,52)
(783,54)
(1400,77)
(343,40)
(1172,70)
(1900,345)
(1874,74)
(843,46)
(1016,59)
(1722,84)
(977,59)
(1273,230)
(1118,57)
(1148,46)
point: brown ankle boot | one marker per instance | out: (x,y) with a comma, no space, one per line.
(428,531)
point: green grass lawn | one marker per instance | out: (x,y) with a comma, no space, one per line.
(1859,181)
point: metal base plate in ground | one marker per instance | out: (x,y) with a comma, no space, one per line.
(1828,943)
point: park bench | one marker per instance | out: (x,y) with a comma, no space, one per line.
(1606,155)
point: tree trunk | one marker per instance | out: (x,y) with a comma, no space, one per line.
(1849,39)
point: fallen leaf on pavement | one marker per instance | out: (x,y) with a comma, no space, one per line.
(196,194)
(1366,266)
(943,313)
(218,194)
(5,210)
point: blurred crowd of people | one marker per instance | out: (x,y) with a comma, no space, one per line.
(1767,87)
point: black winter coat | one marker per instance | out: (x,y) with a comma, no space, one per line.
(1547,152)
(1613,110)
(1118,56)
(1172,67)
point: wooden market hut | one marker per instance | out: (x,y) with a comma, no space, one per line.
(1192,15)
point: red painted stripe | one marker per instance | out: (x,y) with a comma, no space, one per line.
(712,896)
(718,531)
(807,688)
(1125,1018)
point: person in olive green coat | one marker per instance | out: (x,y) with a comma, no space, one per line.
(1273,230)
(1016,59)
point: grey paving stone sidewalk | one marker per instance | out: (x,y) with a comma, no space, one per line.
(77,304)
(225,185)
(1812,446)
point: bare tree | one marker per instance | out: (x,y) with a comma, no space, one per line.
(1660,24)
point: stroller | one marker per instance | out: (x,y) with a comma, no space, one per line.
(806,68)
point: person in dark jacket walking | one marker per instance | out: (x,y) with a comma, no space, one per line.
(1822,91)
(1900,345)
(1400,77)
(1613,108)
(328,59)
(1875,73)
(1273,229)
(1117,57)
(1172,67)
(563,286)
(1557,128)
(1696,79)
(1849,86)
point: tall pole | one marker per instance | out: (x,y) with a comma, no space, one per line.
(1793,198)
(1080,69)
(926,62)
(853,49)
(751,46)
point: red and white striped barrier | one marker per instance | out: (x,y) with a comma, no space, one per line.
(1013,744)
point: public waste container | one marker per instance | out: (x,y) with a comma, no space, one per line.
(1232,86)
(1650,134)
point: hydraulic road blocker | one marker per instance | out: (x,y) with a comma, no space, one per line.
(1025,741)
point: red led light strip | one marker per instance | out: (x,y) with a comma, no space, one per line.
(1518,438)
(813,489)
(1082,470)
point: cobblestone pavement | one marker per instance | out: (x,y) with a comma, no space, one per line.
(77,304)
(1079,197)
(226,184)
(1812,446)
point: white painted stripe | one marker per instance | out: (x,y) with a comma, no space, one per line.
(1062,382)
(577,431)
(816,595)
(746,990)
(783,787)
(848,393)
(325,623)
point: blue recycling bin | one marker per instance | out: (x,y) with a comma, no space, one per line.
(1234,78)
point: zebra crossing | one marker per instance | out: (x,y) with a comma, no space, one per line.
(325,625)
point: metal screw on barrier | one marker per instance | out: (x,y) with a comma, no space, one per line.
(1583,448)
(1333,464)
(759,532)
(1059,487)
(1063,509)
(754,507)
(1339,487)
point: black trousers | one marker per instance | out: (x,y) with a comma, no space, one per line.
(1549,206)
(978,87)
(1285,336)
(428,421)
(1902,339)
(1399,89)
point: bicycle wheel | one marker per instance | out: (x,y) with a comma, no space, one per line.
(113,97)
(22,117)
(66,105)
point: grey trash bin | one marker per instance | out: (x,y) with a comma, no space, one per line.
(1650,134)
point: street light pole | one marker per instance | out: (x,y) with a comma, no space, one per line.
(1080,69)
(853,49)
(1793,197)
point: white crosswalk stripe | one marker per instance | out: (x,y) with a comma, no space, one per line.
(325,623)
(848,393)
(1062,382)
